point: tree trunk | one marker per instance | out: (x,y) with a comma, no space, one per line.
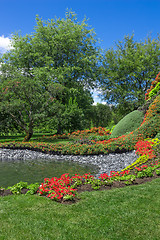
(59,130)
(29,133)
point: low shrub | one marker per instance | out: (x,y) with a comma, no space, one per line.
(129,123)
(92,133)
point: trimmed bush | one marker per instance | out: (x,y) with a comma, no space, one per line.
(129,123)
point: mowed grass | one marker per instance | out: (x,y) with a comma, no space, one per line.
(127,213)
(20,137)
(35,138)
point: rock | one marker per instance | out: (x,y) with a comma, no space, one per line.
(105,163)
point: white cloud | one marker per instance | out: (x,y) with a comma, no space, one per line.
(96,98)
(5,44)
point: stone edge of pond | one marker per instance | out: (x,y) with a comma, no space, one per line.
(105,163)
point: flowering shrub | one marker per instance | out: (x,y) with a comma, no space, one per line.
(141,160)
(114,175)
(144,148)
(145,170)
(57,188)
(155,87)
(99,131)
(153,111)
(63,188)
(89,133)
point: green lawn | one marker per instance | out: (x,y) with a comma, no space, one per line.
(127,213)
(20,137)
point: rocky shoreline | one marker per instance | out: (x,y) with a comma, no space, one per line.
(104,163)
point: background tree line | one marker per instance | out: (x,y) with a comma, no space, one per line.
(47,78)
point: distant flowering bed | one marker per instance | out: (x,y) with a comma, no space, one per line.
(121,144)
(100,131)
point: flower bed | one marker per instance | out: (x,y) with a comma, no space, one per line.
(66,187)
(84,134)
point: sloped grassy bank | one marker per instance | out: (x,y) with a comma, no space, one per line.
(130,213)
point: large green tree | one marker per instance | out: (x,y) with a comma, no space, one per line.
(102,115)
(59,51)
(129,69)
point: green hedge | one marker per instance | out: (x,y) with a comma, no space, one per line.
(129,123)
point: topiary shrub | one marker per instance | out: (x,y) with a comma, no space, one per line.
(129,123)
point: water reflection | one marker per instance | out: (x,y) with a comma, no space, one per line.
(31,171)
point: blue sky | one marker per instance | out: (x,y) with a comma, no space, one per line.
(111,19)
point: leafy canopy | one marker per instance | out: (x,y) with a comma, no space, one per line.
(60,53)
(128,71)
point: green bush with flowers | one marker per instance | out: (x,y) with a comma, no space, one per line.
(154,88)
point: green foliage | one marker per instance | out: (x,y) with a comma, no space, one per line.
(72,118)
(102,115)
(154,88)
(148,172)
(128,71)
(129,123)
(44,69)
(158,135)
(16,189)
(158,172)
(154,91)
(120,110)
(33,187)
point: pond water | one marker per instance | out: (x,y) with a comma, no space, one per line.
(31,171)
(31,166)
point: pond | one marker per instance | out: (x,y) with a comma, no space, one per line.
(35,170)
(32,166)
(31,171)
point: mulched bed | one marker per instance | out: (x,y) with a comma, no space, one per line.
(116,184)
(88,187)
